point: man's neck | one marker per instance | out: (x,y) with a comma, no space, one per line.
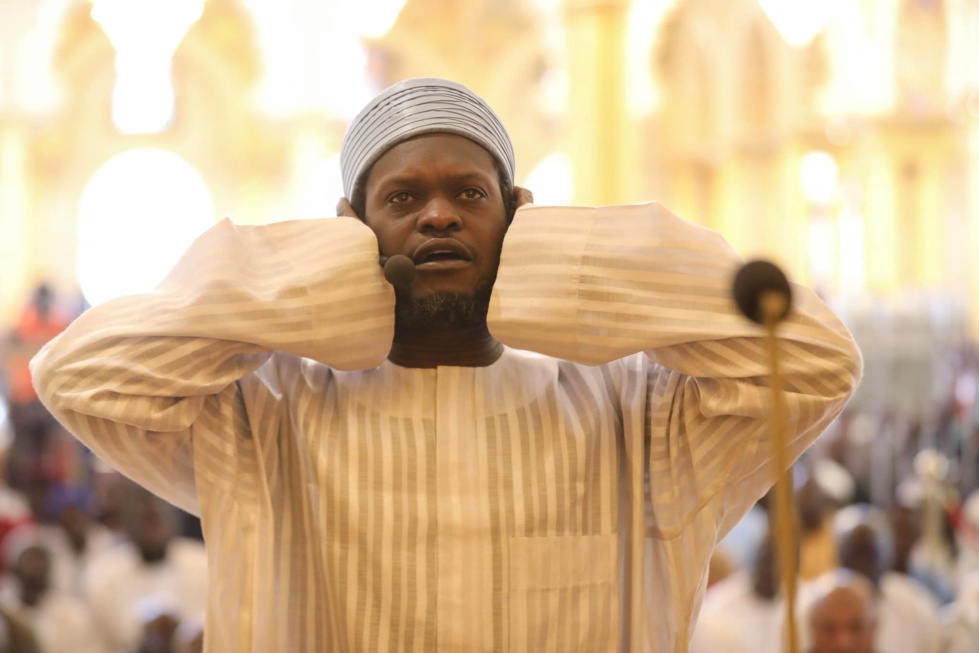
(465,347)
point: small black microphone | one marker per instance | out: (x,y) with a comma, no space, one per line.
(400,271)
(753,281)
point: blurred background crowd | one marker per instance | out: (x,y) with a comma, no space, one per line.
(838,138)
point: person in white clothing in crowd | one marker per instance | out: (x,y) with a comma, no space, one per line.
(71,535)
(745,613)
(61,623)
(153,574)
(531,445)
(839,612)
(960,619)
(907,614)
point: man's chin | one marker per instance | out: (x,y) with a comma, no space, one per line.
(443,310)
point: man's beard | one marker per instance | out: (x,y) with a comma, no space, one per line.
(443,310)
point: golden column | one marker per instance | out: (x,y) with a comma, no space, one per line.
(18,233)
(972,204)
(598,120)
(882,180)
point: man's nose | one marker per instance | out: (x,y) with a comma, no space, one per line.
(439,214)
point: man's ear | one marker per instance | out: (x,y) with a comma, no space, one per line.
(345,210)
(522,196)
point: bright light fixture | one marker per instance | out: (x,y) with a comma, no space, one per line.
(145,35)
(820,176)
(799,21)
(645,17)
(552,180)
(139,212)
(372,19)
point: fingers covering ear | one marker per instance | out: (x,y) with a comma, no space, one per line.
(523,196)
(344,209)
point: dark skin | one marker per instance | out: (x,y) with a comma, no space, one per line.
(764,573)
(158,635)
(843,622)
(152,534)
(859,552)
(813,507)
(33,570)
(439,192)
(907,530)
(75,523)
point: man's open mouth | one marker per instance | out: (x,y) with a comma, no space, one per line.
(441,252)
(441,256)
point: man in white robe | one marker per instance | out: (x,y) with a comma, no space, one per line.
(960,619)
(73,538)
(907,614)
(153,574)
(745,612)
(840,613)
(60,622)
(533,446)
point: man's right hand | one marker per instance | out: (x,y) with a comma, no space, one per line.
(345,210)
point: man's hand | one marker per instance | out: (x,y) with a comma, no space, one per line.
(345,210)
(523,196)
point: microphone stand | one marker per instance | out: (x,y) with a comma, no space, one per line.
(773,306)
(764,295)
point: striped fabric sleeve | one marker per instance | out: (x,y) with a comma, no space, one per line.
(596,285)
(132,377)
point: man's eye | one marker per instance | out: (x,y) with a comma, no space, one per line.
(400,198)
(473,194)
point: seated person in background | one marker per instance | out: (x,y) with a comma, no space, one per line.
(159,634)
(60,623)
(907,613)
(154,569)
(33,459)
(744,613)
(190,636)
(15,512)
(967,535)
(16,636)
(960,620)
(906,528)
(817,546)
(69,532)
(839,613)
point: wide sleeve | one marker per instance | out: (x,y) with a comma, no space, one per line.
(596,285)
(133,378)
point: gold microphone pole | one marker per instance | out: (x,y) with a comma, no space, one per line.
(764,296)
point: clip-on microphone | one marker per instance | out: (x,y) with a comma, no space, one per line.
(399,270)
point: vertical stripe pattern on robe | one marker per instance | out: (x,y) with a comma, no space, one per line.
(563,501)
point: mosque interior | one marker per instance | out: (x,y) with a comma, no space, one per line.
(838,139)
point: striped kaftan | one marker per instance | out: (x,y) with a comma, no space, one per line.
(563,501)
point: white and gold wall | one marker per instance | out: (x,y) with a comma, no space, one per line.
(839,138)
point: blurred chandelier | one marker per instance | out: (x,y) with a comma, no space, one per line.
(798,21)
(372,19)
(145,35)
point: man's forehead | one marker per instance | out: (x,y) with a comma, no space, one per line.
(841,602)
(434,158)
